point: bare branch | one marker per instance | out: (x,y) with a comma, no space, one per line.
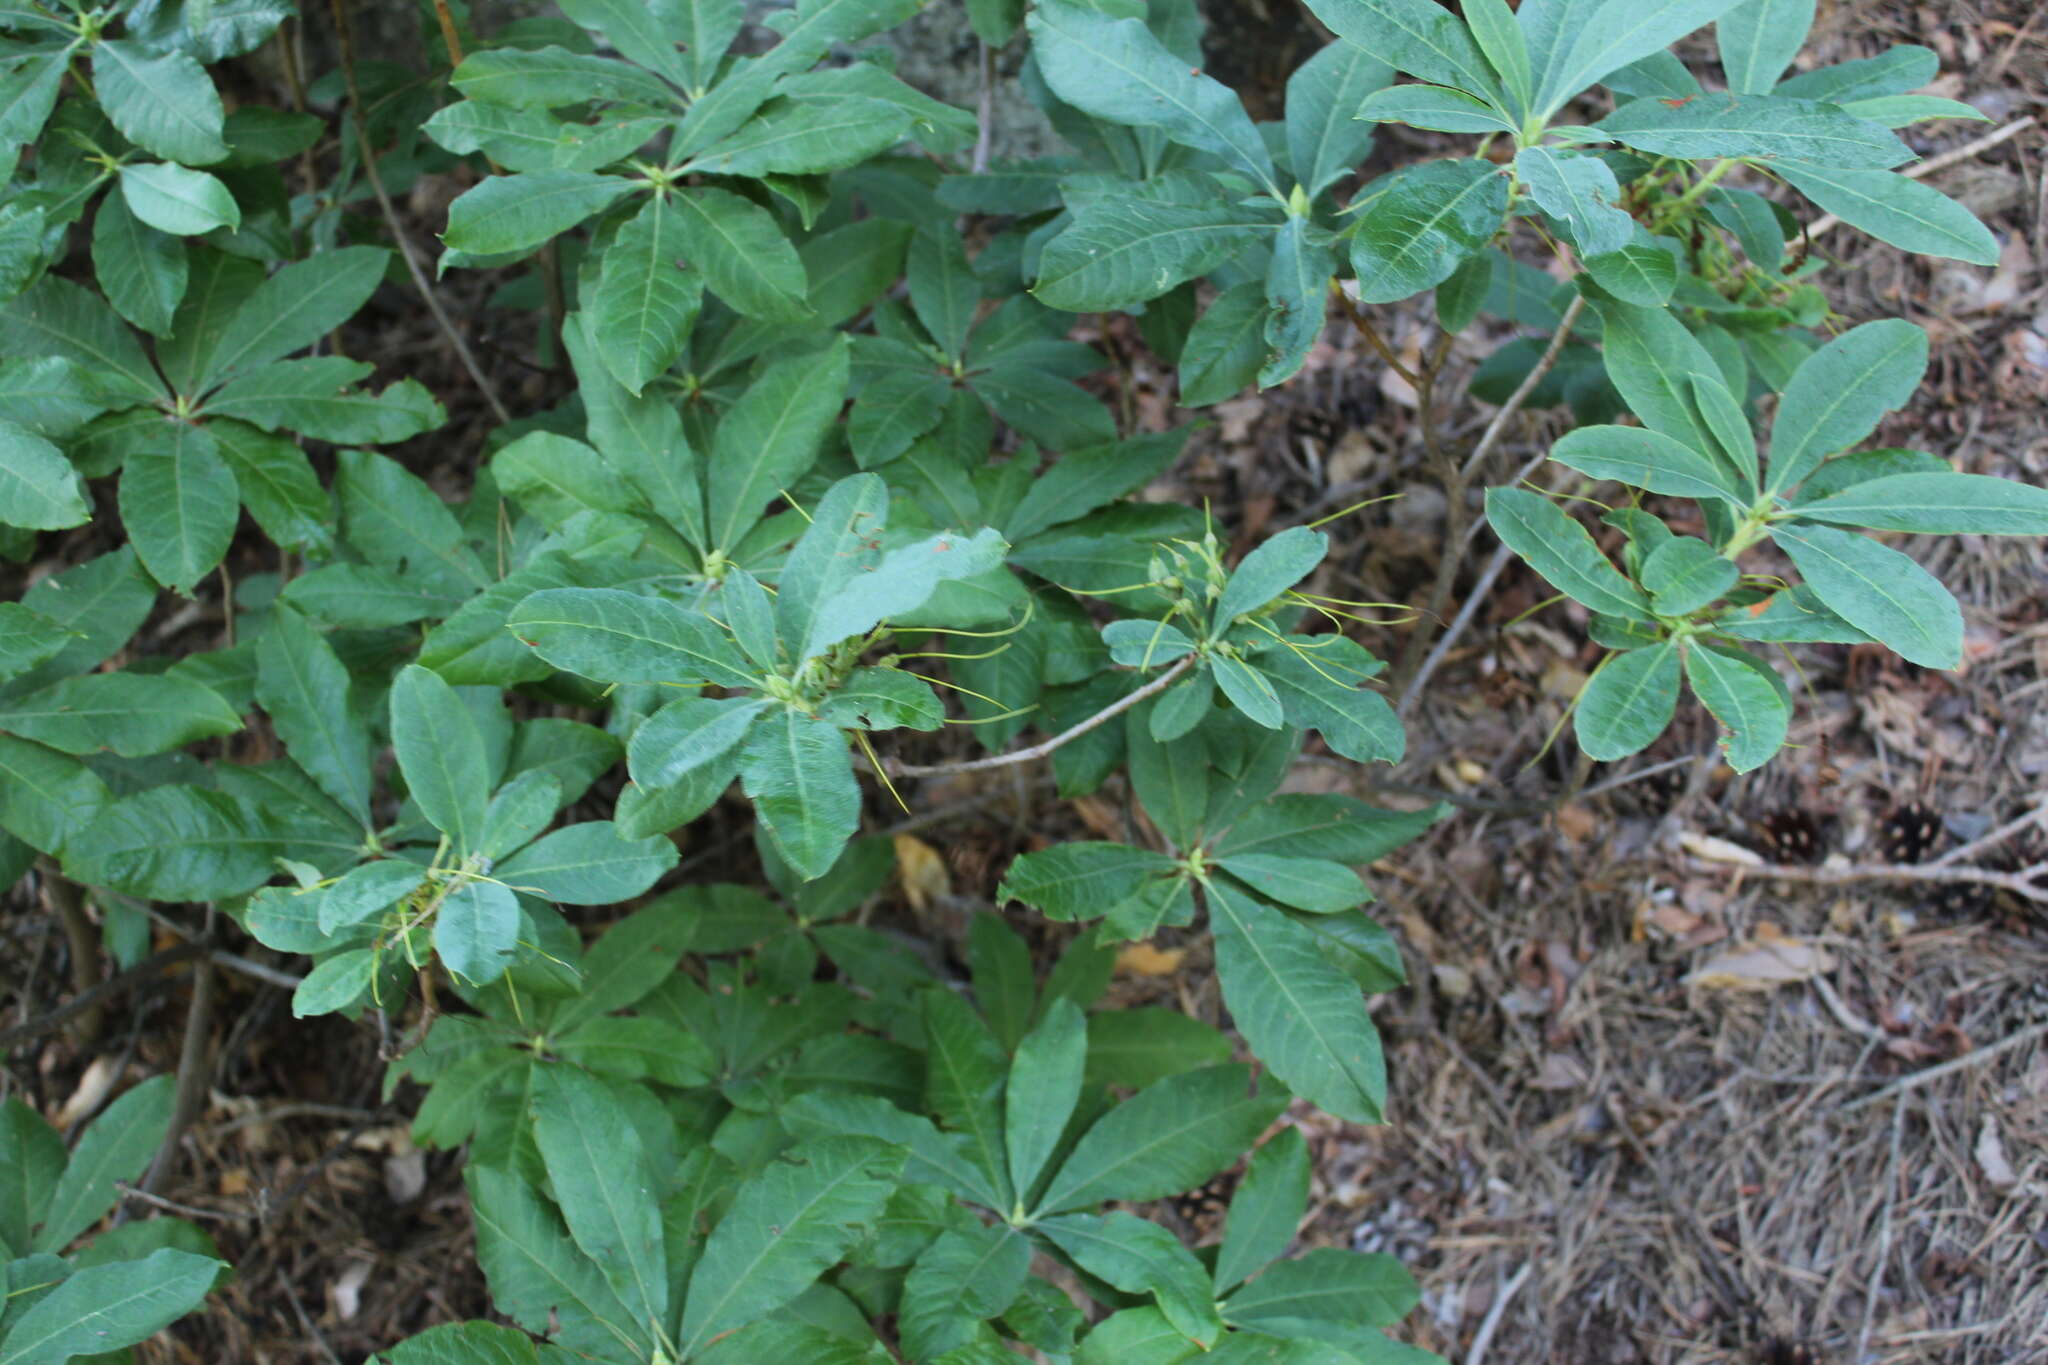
(1040,750)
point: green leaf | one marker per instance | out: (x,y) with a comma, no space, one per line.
(606,1189)
(512,213)
(1879,591)
(1746,697)
(538,1277)
(1166,1139)
(1421,224)
(28,91)
(839,545)
(116,1147)
(1840,393)
(1652,358)
(27,638)
(770,437)
(687,734)
(1265,1209)
(588,864)
(1891,72)
(1436,107)
(284,496)
(1899,111)
(1642,272)
(1079,878)
(175,843)
(828,131)
(1141,1258)
(1115,69)
(1764,127)
(143,272)
(901,581)
(1646,459)
(1298,298)
(1758,40)
(32,1158)
(1225,348)
(1562,551)
(944,291)
(1581,194)
(132,714)
(57,317)
(616,636)
(1276,565)
(1304,883)
(1574,45)
(1415,36)
(1301,1015)
(1935,504)
(1326,1294)
(786,1226)
(1082,480)
(552,77)
(1685,574)
(893,412)
(646,301)
(962,1279)
(465,1343)
(1116,254)
(180,502)
(38,487)
(1894,209)
(1507,51)
(1044,1087)
(1253,694)
(104,1308)
(1136,1336)
(1139,1046)
(797,772)
(646,35)
(163,102)
(1628,701)
(1043,407)
(744,255)
(305,690)
(292,309)
(313,397)
(476,931)
(365,890)
(184,203)
(441,754)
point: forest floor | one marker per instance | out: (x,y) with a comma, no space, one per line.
(1688,1070)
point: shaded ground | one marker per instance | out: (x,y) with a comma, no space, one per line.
(1596,1152)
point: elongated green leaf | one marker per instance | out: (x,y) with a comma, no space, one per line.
(107,1307)
(599,1171)
(1328,1294)
(1324,141)
(1646,459)
(180,502)
(1115,255)
(616,636)
(646,302)
(944,291)
(476,931)
(466,1343)
(902,581)
(1304,883)
(132,714)
(786,1226)
(1576,42)
(27,638)
(645,34)
(1226,347)
(1746,697)
(1651,358)
(32,1158)
(839,545)
(1044,1086)
(1562,551)
(162,101)
(892,413)
(538,1277)
(509,213)
(1140,1046)
(57,317)
(743,253)
(1894,209)
(1936,504)
(1891,72)
(1141,1258)
(1266,1209)
(305,689)
(551,77)
(588,864)
(1581,193)
(797,773)
(962,1279)
(38,487)
(1298,298)
(142,271)
(1415,36)
(687,734)
(1759,39)
(769,438)
(1302,1016)
(1079,878)
(28,91)
(1117,70)
(1436,107)
(1841,392)
(1422,223)
(441,754)
(176,200)
(314,397)
(1685,574)
(965,1076)
(1043,407)
(1628,702)
(827,131)
(1768,127)
(1269,570)
(1167,1138)
(1879,591)
(292,309)
(283,494)
(116,1147)
(176,843)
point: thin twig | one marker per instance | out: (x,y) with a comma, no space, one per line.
(1373,337)
(1040,750)
(1995,837)
(1884,1235)
(405,248)
(1494,1313)
(1948,1068)
(2020,883)
(1499,561)
(1491,436)
(68,901)
(173,1206)
(195,1069)
(1827,222)
(143,973)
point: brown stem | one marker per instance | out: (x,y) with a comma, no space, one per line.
(1040,750)
(405,248)
(195,1068)
(68,901)
(1373,337)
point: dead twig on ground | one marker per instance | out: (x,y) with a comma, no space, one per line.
(2021,883)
